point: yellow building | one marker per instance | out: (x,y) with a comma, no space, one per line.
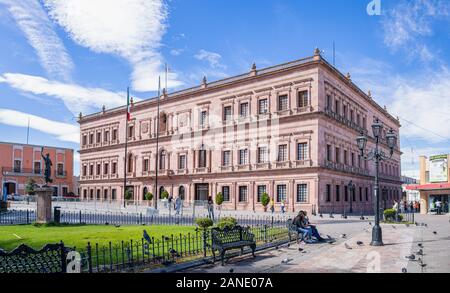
(434,184)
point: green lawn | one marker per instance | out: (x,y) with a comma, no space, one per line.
(79,236)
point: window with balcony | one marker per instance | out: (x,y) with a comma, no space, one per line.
(130,131)
(338,193)
(114,134)
(37,167)
(360,194)
(302,99)
(282,153)
(162,122)
(98,169)
(182,162)
(91,138)
(243,157)
(345,157)
(226,158)
(354,194)
(302,193)
(60,169)
(227,114)
(345,193)
(358,120)
(328,153)
(353,159)
(162,160)
(337,108)
(329,102)
(263,106)
(226,193)
(203,119)
(243,192)
(282,103)
(91,170)
(243,110)
(106,136)
(262,155)
(260,191)
(84,139)
(344,111)
(328,193)
(130,163)
(146,165)
(99,137)
(367,194)
(302,151)
(114,168)
(84,170)
(202,158)
(105,168)
(281,193)
(352,116)
(17,166)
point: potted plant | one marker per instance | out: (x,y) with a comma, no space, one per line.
(265,199)
(148,197)
(128,194)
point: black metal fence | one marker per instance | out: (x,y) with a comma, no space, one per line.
(82,217)
(143,254)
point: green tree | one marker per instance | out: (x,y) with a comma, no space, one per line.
(164,194)
(265,199)
(30,185)
(148,196)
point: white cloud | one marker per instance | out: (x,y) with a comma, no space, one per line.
(62,131)
(38,29)
(212,58)
(132,29)
(76,98)
(176,52)
(408,23)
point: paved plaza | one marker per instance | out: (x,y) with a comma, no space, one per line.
(346,256)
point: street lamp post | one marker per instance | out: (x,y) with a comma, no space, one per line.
(351,188)
(377,155)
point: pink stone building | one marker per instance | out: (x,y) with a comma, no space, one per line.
(18,162)
(288,130)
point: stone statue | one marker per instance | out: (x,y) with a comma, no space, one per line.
(48,167)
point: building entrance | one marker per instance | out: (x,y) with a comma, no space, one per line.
(433,207)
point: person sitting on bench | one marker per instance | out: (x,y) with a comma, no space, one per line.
(313,229)
(299,222)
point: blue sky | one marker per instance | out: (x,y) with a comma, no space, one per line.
(61,57)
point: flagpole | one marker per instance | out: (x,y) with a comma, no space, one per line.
(167,72)
(157,143)
(126,148)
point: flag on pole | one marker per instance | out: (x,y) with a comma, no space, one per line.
(128,105)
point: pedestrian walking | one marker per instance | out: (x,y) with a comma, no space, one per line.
(272,205)
(283,206)
(210,206)
(177,205)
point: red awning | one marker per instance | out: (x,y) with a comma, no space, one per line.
(431,186)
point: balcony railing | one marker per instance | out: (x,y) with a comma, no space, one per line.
(345,168)
(344,120)
(22,171)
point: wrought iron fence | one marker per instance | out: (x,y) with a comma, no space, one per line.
(14,217)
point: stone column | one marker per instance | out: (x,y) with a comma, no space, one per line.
(44,205)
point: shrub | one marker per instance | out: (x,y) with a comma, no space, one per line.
(219,198)
(227,222)
(204,223)
(30,185)
(164,194)
(128,194)
(149,196)
(265,199)
(389,215)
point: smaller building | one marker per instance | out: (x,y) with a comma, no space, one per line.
(19,162)
(434,184)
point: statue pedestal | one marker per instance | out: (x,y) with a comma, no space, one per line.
(44,205)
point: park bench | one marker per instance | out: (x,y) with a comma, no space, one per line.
(231,238)
(24,259)
(292,229)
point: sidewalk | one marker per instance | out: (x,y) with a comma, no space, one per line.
(399,241)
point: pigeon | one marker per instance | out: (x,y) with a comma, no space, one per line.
(393,227)
(117,226)
(106,223)
(415,223)
(420,245)
(347,246)
(321,215)
(420,252)
(147,237)
(359,243)
(407,225)
(289,245)
(434,232)
(370,223)
(286,260)
(300,249)
(329,237)
(231,270)
(343,235)
(404,270)
(166,238)
(174,253)
(411,257)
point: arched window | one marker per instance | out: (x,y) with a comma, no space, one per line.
(162,160)
(181,192)
(161,189)
(144,192)
(130,163)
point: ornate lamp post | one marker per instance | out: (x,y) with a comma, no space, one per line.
(377,155)
(351,189)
